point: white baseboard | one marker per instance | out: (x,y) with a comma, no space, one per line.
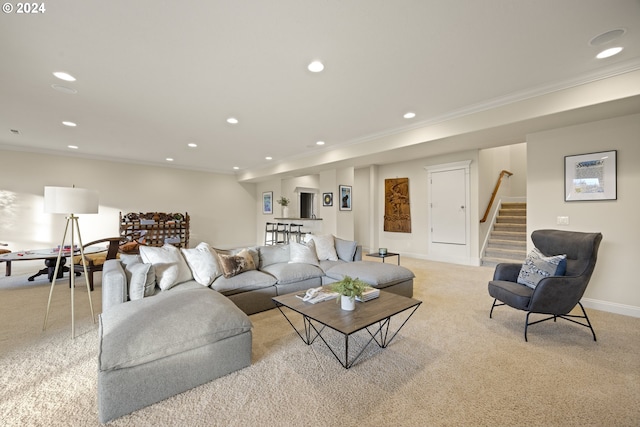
(611,307)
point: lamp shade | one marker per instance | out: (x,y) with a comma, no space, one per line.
(70,200)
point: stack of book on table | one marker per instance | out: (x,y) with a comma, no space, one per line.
(369,294)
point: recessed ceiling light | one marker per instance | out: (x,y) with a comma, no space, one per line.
(64,76)
(316,67)
(236,168)
(409,115)
(607,37)
(268,158)
(320,143)
(73,147)
(169,159)
(609,52)
(232,120)
(70,124)
(192,145)
(64,89)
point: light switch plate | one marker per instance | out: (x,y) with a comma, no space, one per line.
(563,220)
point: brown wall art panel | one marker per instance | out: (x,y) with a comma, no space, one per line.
(397,212)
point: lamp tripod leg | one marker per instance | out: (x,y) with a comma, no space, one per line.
(86,275)
(55,274)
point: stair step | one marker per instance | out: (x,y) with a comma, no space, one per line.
(512,212)
(514,205)
(507,244)
(512,254)
(509,235)
(510,227)
(511,219)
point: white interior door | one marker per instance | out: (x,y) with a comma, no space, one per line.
(448,207)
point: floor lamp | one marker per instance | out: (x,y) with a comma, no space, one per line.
(70,201)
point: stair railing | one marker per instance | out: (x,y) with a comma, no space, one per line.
(495,192)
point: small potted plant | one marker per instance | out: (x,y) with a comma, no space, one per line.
(348,289)
(284,202)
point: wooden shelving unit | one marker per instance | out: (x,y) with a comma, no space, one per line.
(155,228)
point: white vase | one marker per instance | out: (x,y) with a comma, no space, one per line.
(285,211)
(347,303)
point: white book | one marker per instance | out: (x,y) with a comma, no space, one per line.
(369,294)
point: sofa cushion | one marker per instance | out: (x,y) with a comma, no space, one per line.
(253,251)
(374,273)
(169,264)
(247,281)
(303,253)
(203,262)
(289,273)
(325,246)
(174,322)
(537,266)
(232,265)
(345,249)
(273,254)
(141,278)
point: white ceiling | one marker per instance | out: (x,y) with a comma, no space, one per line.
(154,76)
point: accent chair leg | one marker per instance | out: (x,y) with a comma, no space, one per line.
(526,325)
(588,322)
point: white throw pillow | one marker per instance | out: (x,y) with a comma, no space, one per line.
(325,247)
(203,262)
(301,253)
(170,266)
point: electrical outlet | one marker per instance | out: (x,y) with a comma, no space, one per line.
(563,220)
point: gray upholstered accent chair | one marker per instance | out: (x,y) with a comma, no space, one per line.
(555,295)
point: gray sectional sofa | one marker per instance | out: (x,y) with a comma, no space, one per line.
(174,319)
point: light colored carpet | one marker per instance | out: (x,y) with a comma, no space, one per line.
(450,366)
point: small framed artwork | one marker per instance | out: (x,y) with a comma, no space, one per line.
(591,176)
(345,197)
(327,199)
(267,202)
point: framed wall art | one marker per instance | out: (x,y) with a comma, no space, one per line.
(267,202)
(344,192)
(327,199)
(591,176)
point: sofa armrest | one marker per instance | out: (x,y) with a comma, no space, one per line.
(115,288)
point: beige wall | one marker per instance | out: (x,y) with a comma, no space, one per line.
(221,210)
(614,286)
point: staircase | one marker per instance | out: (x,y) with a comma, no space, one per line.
(508,239)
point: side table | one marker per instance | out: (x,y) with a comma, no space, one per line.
(388,254)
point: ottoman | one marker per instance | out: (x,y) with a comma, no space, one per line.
(157,347)
(387,277)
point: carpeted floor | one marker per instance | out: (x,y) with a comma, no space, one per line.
(450,366)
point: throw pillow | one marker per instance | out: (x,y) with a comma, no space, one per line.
(233,265)
(169,264)
(301,253)
(325,247)
(141,278)
(346,249)
(537,266)
(203,262)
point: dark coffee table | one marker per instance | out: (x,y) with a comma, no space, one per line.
(374,316)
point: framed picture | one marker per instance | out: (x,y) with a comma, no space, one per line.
(345,197)
(327,199)
(267,202)
(591,176)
